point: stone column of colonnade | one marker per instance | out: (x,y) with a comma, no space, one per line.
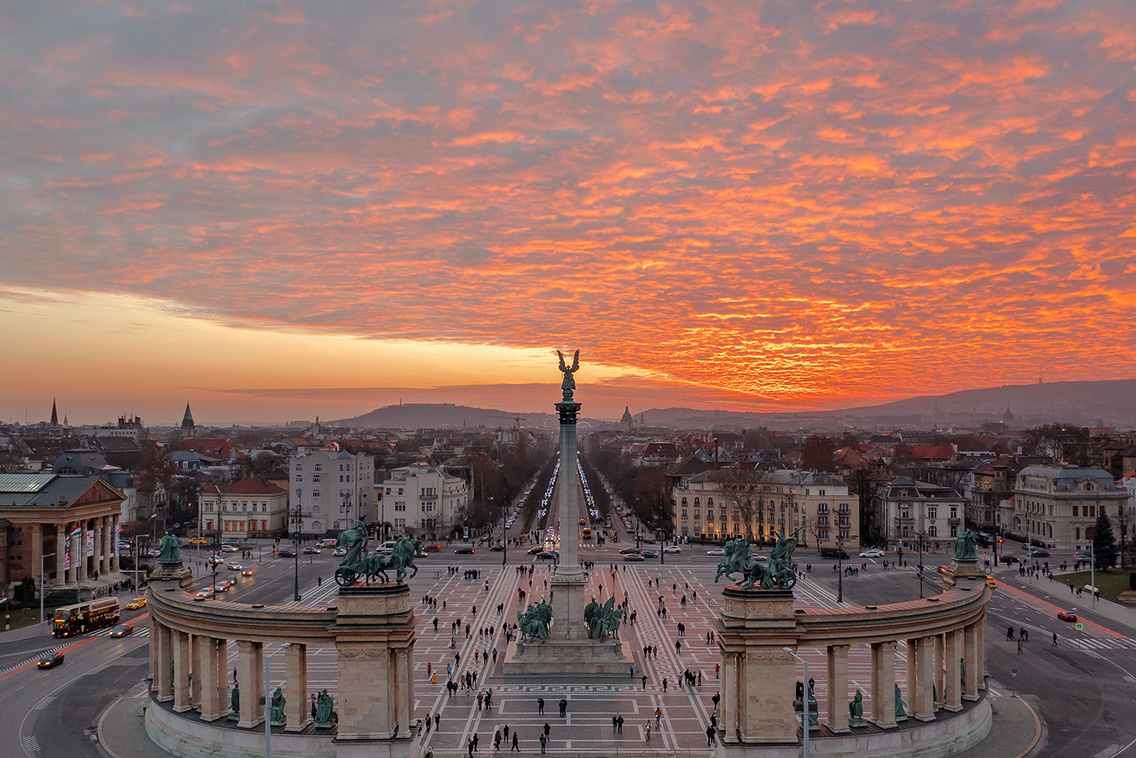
(212,659)
(181,643)
(952,691)
(838,688)
(920,678)
(250,668)
(161,661)
(114,564)
(296,712)
(883,684)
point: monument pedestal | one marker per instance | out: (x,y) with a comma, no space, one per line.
(756,627)
(374,639)
(172,572)
(964,572)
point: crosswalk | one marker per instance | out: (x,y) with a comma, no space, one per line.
(1094,643)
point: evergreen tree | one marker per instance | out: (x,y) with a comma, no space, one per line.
(1104,543)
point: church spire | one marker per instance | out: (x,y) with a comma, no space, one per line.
(188,428)
(54,414)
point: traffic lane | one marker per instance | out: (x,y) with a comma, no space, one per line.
(1056,596)
(1081,695)
(24,689)
(64,726)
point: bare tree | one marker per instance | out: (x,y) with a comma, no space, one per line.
(741,490)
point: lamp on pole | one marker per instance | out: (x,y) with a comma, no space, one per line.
(41,584)
(920,538)
(297,523)
(805,709)
(839,569)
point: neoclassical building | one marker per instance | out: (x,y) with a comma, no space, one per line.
(422,500)
(909,510)
(332,490)
(69,523)
(246,508)
(1059,505)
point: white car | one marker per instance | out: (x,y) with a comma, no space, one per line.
(716,551)
(230,549)
(672,549)
(236,567)
(874,552)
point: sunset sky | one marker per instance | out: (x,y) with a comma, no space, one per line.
(282,210)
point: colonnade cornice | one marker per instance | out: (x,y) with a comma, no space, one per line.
(180,611)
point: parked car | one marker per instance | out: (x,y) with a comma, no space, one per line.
(122,630)
(1067,616)
(50,660)
(136,603)
(874,552)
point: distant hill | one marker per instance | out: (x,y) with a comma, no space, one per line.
(1089,403)
(1107,402)
(439,416)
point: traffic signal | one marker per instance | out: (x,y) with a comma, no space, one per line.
(1000,540)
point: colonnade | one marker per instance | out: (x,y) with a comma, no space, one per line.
(192,671)
(945,640)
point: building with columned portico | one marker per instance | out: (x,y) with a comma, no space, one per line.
(70,523)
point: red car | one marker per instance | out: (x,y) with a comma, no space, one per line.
(433,548)
(1066,616)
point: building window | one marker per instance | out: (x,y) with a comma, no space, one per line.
(315,493)
(315,477)
(822,508)
(684,512)
(932,512)
(299,477)
(319,467)
(932,531)
(400,507)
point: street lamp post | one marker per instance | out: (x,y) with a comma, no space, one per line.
(839,570)
(805,710)
(920,538)
(41,584)
(297,522)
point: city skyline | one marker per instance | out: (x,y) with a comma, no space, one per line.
(283,211)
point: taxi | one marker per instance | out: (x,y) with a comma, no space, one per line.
(136,603)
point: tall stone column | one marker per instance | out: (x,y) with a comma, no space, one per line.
(114,536)
(196,642)
(297,714)
(970,659)
(883,684)
(81,543)
(982,631)
(105,528)
(60,548)
(250,665)
(729,702)
(838,688)
(37,551)
(940,671)
(182,655)
(952,653)
(920,678)
(163,661)
(213,685)
(568,582)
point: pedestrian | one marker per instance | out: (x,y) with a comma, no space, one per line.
(1019,647)
(658,716)
(234,676)
(438,717)
(497,740)
(664,686)
(540,705)
(613,724)
(547,729)
(514,748)
(644,681)
(630,672)
(710,736)
(717,668)
(543,743)
(475,742)
(1055,639)
(648,729)
(563,707)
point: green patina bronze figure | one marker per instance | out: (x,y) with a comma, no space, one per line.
(966,547)
(780,574)
(534,622)
(603,620)
(399,560)
(277,713)
(358,564)
(170,548)
(324,710)
(900,713)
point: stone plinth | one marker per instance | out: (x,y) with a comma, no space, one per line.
(374,639)
(964,571)
(173,573)
(759,675)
